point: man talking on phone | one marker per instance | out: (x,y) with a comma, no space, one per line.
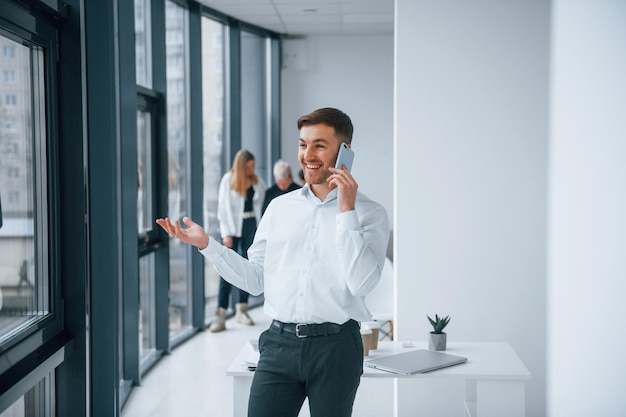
(317,253)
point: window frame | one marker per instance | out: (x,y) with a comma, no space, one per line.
(46,213)
(32,354)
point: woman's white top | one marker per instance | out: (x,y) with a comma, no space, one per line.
(230,206)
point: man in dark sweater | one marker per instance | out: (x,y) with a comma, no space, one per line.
(283,183)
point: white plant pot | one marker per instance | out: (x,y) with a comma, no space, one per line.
(437,341)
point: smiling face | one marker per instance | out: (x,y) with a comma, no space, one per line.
(317,152)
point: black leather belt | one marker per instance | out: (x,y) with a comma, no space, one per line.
(308,330)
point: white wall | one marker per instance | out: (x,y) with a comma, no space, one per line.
(354,74)
(474,199)
(587,216)
(471,145)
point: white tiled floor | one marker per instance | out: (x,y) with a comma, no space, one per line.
(192,380)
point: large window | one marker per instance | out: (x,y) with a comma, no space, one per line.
(145,204)
(30,314)
(213,128)
(24,278)
(147,119)
(178,137)
(77,304)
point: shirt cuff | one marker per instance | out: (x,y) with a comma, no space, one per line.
(214,250)
(348,220)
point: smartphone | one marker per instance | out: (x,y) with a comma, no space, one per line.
(344,157)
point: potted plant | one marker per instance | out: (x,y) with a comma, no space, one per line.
(437,340)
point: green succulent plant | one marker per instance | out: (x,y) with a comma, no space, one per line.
(439,323)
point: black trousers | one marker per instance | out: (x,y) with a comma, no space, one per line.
(326,369)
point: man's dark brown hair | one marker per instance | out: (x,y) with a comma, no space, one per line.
(334,118)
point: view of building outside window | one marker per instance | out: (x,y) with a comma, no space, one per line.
(23,293)
(144,170)
(145,185)
(213,112)
(147,336)
(147,327)
(143,43)
(178,138)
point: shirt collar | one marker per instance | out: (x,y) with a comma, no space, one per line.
(307,193)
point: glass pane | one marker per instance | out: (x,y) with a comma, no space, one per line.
(144,171)
(254,109)
(38,401)
(147,337)
(143,43)
(176,34)
(213,110)
(23,217)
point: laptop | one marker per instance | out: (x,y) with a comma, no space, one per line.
(415,361)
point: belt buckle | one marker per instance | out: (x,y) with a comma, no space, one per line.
(298,327)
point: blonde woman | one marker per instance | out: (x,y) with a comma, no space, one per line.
(240,199)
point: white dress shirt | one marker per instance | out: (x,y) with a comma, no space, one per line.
(230,206)
(313,263)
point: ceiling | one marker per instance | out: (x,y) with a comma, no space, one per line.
(312,17)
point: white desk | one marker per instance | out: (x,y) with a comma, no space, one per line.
(491,383)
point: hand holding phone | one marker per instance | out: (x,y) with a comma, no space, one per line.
(347,186)
(344,157)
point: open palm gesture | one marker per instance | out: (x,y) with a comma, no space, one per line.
(194,234)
